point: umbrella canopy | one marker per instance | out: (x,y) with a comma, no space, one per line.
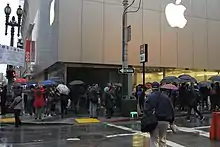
(215,78)
(204,84)
(20,80)
(118,84)
(187,78)
(169,87)
(76,82)
(47,83)
(57,80)
(63,89)
(170,79)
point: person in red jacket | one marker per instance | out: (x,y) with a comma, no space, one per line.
(39,102)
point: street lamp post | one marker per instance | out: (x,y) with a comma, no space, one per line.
(12,23)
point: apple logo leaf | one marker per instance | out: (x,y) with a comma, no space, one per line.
(175,14)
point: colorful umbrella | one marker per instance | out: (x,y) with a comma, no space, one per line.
(20,80)
(47,83)
(169,87)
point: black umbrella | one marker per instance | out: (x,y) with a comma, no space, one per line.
(187,78)
(170,79)
(215,78)
(76,82)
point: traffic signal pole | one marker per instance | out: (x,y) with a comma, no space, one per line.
(127,78)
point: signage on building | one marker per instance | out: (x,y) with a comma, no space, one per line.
(126,70)
(11,55)
(32,51)
(174,13)
(129,33)
(144,53)
(28,51)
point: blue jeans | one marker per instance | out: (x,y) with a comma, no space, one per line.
(93,109)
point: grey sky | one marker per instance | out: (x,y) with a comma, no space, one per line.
(6,39)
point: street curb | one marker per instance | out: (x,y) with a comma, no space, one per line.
(41,123)
(101,121)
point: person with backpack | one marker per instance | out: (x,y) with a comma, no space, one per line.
(39,102)
(16,105)
(158,114)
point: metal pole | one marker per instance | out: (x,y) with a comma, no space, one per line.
(12,35)
(143,66)
(124,48)
(10,80)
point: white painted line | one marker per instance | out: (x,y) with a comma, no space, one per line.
(72,139)
(202,127)
(169,143)
(120,135)
(192,130)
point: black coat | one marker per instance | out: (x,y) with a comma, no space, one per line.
(107,100)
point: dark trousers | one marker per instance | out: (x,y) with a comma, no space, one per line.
(214,102)
(30,107)
(3,108)
(17,117)
(63,104)
(109,112)
(141,103)
(195,109)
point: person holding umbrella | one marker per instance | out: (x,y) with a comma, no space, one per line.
(63,92)
(39,102)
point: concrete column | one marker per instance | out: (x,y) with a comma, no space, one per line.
(164,72)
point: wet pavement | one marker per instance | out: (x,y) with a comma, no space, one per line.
(190,134)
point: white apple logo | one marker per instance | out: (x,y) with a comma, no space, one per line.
(52,12)
(175,14)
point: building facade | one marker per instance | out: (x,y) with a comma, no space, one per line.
(87,34)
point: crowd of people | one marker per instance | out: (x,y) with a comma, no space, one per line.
(188,96)
(40,101)
(35,100)
(159,106)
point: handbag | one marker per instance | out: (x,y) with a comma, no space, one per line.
(149,120)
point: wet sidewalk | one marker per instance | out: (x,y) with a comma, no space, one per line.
(70,119)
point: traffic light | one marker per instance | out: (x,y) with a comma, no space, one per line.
(10,74)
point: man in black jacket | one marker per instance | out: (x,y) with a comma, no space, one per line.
(164,111)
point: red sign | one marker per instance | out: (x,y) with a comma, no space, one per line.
(28,51)
(32,57)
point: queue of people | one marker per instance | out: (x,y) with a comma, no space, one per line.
(38,101)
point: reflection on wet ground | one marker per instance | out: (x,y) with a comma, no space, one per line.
(102,135)
(27,134)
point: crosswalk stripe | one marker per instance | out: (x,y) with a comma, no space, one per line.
(169,143)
